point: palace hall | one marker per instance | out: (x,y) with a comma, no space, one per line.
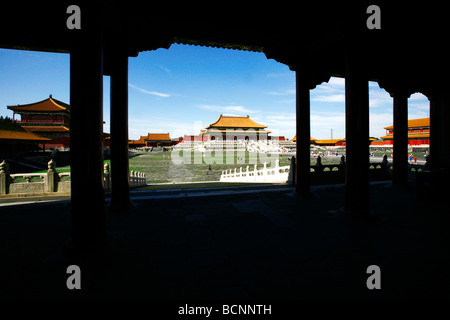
(418,133)
(49,118)
(235,128)
(152,140)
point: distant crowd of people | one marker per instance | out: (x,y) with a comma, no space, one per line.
(412,159)
(316,154)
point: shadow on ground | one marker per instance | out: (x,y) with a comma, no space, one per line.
(268,245)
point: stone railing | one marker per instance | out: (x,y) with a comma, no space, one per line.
(276,174)
(137,179)
(33,183)
(52,182)
(377,170)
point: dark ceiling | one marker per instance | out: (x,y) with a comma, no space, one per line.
(411,47)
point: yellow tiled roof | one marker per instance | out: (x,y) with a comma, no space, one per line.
(328,141)
(235,122)
(158,137)
(415,123)
(151,137)
(410,136)
(20,135)
(235,131)
(139,141)
(47,105)
(46,128)
(310,138)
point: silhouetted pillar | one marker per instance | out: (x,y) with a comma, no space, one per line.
(400,156)
(86,140)
(435,130)
(120,186)
(438,177)
(439,119)
(303,135)
(357,136)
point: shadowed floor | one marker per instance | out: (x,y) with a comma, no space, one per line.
(265,245)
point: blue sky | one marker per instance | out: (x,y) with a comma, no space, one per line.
(185,88)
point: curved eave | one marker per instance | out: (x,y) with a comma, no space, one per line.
(34,107)
(410,136)
(10,135)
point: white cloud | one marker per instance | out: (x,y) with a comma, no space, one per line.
(332,91)
(327,119)
(329,98)
(165,69)
(155,93)
(377,122)
(323,122)
(282,116)
(336,82)
(379,98)
(282,93)
(278,120)
(423,107)
(227,110)
(418,96)
(285,128)
(418,114)
(418,106)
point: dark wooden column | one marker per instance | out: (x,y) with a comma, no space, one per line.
(439,136)
(120,191)
(357,136)
(86,140)
(400,156)
(435,130)
(302,170)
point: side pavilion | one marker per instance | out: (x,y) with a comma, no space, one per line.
(152,140)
